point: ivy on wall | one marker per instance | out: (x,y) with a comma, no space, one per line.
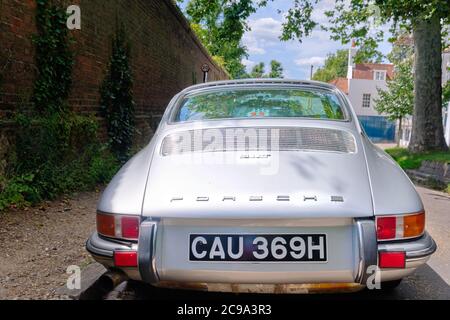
(54,59)
(57,151)
(117,103)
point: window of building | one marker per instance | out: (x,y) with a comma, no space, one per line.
(380,75)
(366,100)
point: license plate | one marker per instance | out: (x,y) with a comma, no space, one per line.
(258,247)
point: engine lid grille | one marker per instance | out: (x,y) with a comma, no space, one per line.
(258,139)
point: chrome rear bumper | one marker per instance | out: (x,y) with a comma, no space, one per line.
(417,252)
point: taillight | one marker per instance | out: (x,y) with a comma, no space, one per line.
(400,226)
(118,226)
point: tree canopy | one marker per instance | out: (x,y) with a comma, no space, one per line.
(259,71)
(276,69)
(220,25)
(358,20)
(335,66)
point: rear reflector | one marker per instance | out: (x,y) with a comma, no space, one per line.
(392,260)
(125,259)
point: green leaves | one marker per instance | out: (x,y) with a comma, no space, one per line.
(117,103)
(258,71)
(397,101)
(276,69)
(335,66)
(220,25)
(54,59)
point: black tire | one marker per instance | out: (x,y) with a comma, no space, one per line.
(390,285)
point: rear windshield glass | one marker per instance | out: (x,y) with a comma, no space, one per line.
(260,103)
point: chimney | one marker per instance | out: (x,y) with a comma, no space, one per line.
(351,63)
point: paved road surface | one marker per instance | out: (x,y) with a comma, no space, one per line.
(431,281)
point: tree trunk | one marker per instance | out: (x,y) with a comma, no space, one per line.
(399,134)
(427,128)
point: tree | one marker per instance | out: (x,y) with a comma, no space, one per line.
(258,71)
(335,66)
(276,69)
(356,19)
(398,100)
(220,25)
(359,20)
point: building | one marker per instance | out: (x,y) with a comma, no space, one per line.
(360,85)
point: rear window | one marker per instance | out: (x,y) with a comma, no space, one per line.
(260,103)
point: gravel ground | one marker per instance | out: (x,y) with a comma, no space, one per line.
(38,244)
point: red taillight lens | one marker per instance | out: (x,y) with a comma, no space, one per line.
(391,260)
(118,226)
(125,259)
(400,226)
(130,227)
(386,228)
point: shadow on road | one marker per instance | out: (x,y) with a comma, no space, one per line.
(424,284)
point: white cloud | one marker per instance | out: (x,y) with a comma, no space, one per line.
(310,61)
(248,63)
(264,33)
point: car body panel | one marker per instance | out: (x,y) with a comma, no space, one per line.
(232,174)
(262,191)
(124,194)
(392,190)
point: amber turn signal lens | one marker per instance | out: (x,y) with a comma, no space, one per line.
(106,224)
(413,225)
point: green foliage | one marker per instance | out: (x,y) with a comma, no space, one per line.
(117,103)
(397,101)
(360,20)
(335,66)
(56,150)
(18,191)
(55,154)
(220,24)
(409,160)
(446,93)
(258,70)
(276,69)
(54,60)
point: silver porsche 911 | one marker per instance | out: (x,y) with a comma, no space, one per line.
(261,186)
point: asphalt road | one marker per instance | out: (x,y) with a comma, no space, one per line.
(432,281)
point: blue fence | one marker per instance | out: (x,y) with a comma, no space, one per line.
(378,128)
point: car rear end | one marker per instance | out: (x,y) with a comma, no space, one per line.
(291,213)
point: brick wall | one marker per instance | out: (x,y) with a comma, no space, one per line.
(165,55)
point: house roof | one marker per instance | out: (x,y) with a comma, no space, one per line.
(366,70)
(341,83)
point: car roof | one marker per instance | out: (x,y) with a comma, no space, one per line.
(268,81)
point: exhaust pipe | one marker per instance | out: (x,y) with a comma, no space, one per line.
(111,279)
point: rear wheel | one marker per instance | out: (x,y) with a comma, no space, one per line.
(390,285)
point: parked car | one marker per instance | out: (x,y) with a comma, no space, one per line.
(261,186)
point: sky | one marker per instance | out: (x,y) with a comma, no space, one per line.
(263,43)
